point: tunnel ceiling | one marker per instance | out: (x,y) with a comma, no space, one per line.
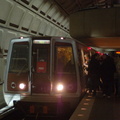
(72,7)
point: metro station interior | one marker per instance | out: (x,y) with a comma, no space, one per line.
(94,23)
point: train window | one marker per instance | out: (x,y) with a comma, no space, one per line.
(64,59)
(41,58)
(19,58)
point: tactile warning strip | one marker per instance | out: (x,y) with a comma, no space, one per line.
(83,110)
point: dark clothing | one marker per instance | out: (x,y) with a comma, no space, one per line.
(117,86)
(108,67)
(94,73)
(107,75)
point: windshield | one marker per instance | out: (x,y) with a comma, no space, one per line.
(64,58)
(19,58)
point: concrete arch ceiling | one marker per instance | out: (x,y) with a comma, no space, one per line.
(94,22)
(72,6)
(30,18)
(52,17)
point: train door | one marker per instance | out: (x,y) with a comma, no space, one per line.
(84,57)
(65,75)
(41,66)
(17,70)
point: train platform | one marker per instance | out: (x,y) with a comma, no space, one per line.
(97,108)
(92,107)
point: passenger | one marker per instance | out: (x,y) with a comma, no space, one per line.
(107,75)
(117,75)
(87,59)
(94,72)
(85,68)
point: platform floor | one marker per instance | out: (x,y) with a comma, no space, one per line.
(97,108)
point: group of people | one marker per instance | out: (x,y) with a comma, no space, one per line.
(104,74)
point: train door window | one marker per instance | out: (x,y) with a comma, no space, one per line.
(19,58)
(41,57)
(64,59)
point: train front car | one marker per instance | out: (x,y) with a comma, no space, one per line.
(42,75)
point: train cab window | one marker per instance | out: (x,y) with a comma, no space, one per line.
(41,55)
(64,59)
(19,58)
(42,60)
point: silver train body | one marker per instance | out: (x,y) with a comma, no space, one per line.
(45,74)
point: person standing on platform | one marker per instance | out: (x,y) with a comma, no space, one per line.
(107,75)
(94,72)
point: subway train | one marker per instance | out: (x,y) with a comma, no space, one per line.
(45,75)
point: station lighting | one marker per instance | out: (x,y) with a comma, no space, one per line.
(117,52)
(98,52)
(89,48)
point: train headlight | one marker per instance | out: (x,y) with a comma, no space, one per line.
(60,87)
(22,86)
